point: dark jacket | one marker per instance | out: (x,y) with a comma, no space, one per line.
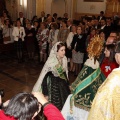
(78,43)
(103,17)
(40,19)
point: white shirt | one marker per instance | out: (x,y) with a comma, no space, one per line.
(70,39)
(18,32)
(21,20)
(42,19)
(103,27)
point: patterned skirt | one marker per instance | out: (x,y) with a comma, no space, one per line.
(78,57)
(56,89)
(43,48)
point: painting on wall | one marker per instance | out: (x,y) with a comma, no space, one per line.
(93,0)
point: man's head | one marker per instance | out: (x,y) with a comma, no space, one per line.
(21,14)
(110,40)
(55,15)
(101,13)
(42,14)
(103,22)
(69,22)
(65,15)
(114,34)
(96,22)
(49,19)
(108,21)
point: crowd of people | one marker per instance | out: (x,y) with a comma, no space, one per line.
(89,48)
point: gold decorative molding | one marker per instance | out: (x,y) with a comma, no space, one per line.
(112,7)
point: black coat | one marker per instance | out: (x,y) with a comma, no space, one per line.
(79,42)
(107,30)
(40,19)
(103,17)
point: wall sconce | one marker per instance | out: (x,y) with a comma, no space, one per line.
(21,2)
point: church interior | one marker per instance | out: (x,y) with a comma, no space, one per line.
(20,75)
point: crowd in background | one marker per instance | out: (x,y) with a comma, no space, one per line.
(37,36)
(53,37)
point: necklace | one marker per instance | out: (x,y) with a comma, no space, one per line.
(59,60)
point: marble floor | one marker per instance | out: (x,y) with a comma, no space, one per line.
(17,77)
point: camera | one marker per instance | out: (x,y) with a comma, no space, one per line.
(1,92)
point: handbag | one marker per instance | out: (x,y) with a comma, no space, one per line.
(7,38)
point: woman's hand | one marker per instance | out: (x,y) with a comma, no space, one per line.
(30,34)
(6,103)
(73,51)
(69,47)
(40,97)
(46,97)
(18,36)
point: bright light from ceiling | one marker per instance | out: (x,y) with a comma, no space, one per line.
(20,2)
(25,3)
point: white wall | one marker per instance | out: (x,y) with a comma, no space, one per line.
(59,7)
(31,9)
(82,7)
(69,8)
(48,6)
(90,7)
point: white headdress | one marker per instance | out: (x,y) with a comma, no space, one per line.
(54,49)
(49,66)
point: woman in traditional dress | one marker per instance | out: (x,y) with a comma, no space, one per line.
(53,80)
(109,62)
(106,104)
(85,86)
